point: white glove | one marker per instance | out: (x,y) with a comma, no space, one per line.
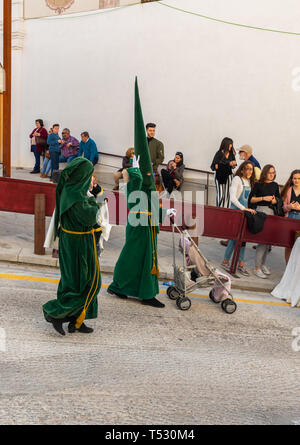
(136,162)
(171,212)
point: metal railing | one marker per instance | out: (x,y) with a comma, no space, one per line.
(189,169)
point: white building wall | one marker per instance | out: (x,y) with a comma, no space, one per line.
(199,80)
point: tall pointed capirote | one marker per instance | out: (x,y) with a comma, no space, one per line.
(141,144)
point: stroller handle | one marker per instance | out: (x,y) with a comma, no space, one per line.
(172,220)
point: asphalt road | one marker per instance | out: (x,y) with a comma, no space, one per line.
(144,365)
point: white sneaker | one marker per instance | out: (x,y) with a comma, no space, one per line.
(259,273)
(265,270)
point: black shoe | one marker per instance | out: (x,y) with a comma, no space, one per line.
(153,302)
(224,243)
(83,329)
(57,324)
(34,172)
(115,293)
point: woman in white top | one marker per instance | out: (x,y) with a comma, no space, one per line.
(240,189)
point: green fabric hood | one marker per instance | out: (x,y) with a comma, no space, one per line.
(72,187)
(141,144)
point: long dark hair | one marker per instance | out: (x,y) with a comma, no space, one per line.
(180,163)
(264,172)
(40,121)
(226,142)
(289,183)
(241,170)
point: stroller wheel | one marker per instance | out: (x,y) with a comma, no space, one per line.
(229,306)
(173,293)
(211,296)
(183,303)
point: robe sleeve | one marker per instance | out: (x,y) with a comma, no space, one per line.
(135,181)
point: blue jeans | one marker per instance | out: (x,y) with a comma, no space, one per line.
(68,159)
(243,199)
(293,214)
(46,166)
(230,249)
(54,156)
(37,156)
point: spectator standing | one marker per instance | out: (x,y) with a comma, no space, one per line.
(88,148)
(156,147)
(173,176)
(246,154)
(54,143)
(241,186)
(223,163)
(122,173)
(265,193)
(291,201)
(69,147)
(38,144)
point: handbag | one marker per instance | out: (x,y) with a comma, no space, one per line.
(278,208)
(40,141)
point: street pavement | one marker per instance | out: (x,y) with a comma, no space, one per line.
(144,365)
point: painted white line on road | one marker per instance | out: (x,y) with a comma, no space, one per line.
(105,286)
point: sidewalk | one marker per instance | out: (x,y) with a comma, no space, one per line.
(17,246)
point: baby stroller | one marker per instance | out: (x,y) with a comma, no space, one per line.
(195,273)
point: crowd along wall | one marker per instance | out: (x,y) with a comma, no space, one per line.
(200,79)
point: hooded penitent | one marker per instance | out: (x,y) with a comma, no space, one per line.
(75,216)
(136,272)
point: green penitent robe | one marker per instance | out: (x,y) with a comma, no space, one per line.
(136,272)
(79,275)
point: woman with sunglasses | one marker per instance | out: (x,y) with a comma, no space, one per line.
(265,194)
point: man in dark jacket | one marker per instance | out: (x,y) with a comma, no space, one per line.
(157,155)
(156,147)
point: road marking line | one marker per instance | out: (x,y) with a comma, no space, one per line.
(105,286)
(28,278)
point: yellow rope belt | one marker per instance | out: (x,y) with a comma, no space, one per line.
(155,269)
(89,299)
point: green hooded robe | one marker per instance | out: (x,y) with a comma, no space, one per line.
(80,276)
(136,272)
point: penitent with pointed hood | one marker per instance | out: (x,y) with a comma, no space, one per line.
(75,217)
(136,272)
